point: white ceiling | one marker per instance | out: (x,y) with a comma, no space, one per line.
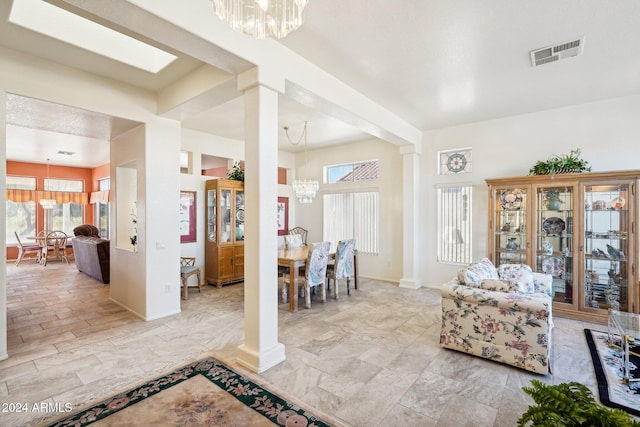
(434,63)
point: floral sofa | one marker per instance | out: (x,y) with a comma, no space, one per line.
(502,314)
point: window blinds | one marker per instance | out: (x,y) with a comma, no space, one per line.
(352,216)
(454,224)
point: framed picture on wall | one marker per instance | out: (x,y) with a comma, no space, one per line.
(283,215)
(187,216)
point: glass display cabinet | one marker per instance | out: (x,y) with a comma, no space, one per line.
(555,238)
(579,228)
(607,246)
(510,244)
(224,240)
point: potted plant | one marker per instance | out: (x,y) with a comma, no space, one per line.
(236,173)
(569,404)
(567,163)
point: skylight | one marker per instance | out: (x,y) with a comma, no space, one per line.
(44,18)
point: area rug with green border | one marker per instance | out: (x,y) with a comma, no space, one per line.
(203,393)
(609,367)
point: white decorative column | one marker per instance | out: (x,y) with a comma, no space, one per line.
(410,216)
(261,349)
(3,232)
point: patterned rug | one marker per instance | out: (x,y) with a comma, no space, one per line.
(203,393)
(608,364)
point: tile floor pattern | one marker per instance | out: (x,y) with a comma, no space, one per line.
(370,359)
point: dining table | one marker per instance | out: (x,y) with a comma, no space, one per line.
(294,258)
(57,242)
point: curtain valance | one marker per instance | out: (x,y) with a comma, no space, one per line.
(37,195)
(99,196)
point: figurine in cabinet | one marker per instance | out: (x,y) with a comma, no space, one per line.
(615,253)
(512,245)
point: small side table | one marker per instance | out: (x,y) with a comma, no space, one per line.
(627,325)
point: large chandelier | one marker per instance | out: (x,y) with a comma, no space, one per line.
(261,18)
(305,188)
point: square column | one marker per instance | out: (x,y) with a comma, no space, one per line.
(410,217)
(261,349)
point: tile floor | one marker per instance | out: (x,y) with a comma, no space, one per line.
(369,359)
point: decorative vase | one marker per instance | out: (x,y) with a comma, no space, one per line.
(511,244)
(552,201)
(547,247)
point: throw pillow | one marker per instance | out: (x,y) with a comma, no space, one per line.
(518,274)
(476,273)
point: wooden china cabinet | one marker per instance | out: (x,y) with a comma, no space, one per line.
(580,228)
(224,240)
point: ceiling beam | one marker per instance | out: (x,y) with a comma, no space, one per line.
(194,29)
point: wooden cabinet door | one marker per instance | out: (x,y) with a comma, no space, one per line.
(238,261)
(225,262)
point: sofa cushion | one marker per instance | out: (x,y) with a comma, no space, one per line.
(499,285)
(543,283)
(474,274)
(518,274)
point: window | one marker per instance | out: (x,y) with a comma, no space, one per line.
(102,209)
(353,172)
(20,216)
(64,216)
(454,224)
(352,216)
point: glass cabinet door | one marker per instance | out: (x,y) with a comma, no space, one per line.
(211,215)
(554,239)
(510,233)
(239,215)
(606,246)
(225,216)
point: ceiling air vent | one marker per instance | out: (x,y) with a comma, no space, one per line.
(557,52)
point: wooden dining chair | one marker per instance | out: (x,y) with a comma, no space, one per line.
(55,244)
(293,241)
(342,266)
(27,249)
(187,269)
(301,232)
(315,272)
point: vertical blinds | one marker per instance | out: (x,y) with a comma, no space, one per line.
(454,224)
(352,216)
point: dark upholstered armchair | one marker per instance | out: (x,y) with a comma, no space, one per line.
(91,252)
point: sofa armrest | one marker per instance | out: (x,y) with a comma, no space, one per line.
(543,283)
(537,303)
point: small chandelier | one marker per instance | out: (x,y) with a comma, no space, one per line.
(261,18)
(305,188)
